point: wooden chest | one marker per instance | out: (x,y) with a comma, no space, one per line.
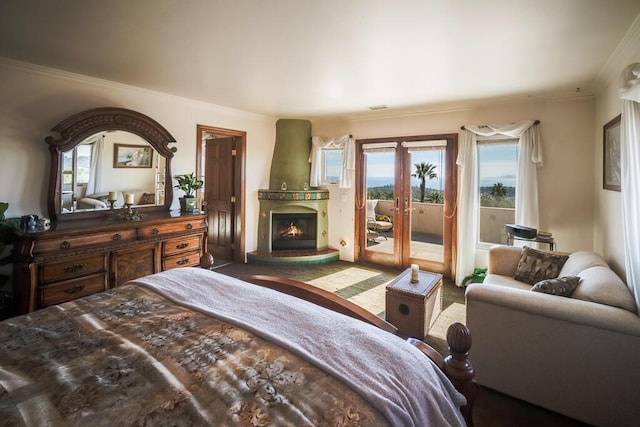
(413,307)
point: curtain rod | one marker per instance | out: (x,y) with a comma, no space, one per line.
(537,122)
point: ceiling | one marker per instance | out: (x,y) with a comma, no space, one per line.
(306,58)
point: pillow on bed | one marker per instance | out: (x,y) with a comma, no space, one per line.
(147,199)
(562,286)
(535,265)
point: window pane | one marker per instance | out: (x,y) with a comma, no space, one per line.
(427,206)
(497,165)
(430,164)
(380,175)
(332,162)
(83,163)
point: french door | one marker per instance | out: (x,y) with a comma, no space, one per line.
(405,201)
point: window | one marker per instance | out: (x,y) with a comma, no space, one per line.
(497,164)
(331,165)
(83,162)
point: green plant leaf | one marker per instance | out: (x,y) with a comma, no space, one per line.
(3,208)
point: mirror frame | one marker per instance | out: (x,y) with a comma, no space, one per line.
(80,126)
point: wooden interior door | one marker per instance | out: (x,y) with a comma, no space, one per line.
(220,162)
(219,196)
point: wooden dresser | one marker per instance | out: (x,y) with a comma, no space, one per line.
(78,258)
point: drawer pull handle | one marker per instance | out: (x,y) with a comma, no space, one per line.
(74,289)
(65,245)
(116,237)
(155,231)
(182,245)
(182,261)
(74,268)
(189,226)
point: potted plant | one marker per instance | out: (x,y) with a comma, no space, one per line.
(189,184)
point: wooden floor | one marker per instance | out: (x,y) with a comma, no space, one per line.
(493,409)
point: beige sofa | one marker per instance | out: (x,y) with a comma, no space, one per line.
(577,355)
(100,200)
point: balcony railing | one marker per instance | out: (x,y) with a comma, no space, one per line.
(428,218)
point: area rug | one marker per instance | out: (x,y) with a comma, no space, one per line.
(437,337)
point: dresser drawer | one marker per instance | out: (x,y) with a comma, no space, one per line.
(194,224)
(67,244)
(187,259)
(72,289)
(181,244)
(72,267)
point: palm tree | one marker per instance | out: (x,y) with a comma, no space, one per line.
(435,196)
(499,191)
(424,171)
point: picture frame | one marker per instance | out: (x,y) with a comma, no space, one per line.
(611,155)
(132,156)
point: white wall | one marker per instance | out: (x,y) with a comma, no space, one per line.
(565,182)
(34,99)
(608,236)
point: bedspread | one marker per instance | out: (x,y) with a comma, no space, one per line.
(132,356)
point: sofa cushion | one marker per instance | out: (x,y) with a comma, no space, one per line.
(579,261)
(562,286)
(535,265)
(601,285)
(506,281)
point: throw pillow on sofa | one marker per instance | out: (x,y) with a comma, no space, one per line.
(535,265)
(561,286)
(147,199)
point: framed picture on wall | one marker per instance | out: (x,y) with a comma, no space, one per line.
(132,156)
(611,155)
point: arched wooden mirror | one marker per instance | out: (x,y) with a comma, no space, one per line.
(106,157)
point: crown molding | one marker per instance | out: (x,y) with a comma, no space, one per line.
(471,105)
(111,85)
(625,53)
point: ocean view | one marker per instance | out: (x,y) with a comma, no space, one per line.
(507,181)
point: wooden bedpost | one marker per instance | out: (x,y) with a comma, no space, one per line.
(459,369)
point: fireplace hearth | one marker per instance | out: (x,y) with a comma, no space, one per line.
(293,228)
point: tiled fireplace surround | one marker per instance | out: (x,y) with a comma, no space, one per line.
(290,166)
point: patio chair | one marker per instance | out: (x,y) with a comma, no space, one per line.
(374,224)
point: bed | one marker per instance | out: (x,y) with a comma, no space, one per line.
(190,346)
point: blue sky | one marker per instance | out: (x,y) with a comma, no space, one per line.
(497,164)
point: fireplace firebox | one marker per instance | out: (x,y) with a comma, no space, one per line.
(293,231)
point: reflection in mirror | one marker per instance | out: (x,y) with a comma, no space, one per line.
(106,155)
(101,173)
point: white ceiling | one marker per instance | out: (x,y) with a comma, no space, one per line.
(309,58)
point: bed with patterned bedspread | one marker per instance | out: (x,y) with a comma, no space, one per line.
(193,347)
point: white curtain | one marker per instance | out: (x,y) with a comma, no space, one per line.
(344,143)
(529,160)
(94,185)
(630,179)
(468,204)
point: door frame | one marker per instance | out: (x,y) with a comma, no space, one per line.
(450,210)
(239,190)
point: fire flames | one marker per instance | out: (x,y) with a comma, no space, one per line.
(291,231)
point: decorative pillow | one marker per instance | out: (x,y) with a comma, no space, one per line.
(535,265)
(147,199)
(562,286)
